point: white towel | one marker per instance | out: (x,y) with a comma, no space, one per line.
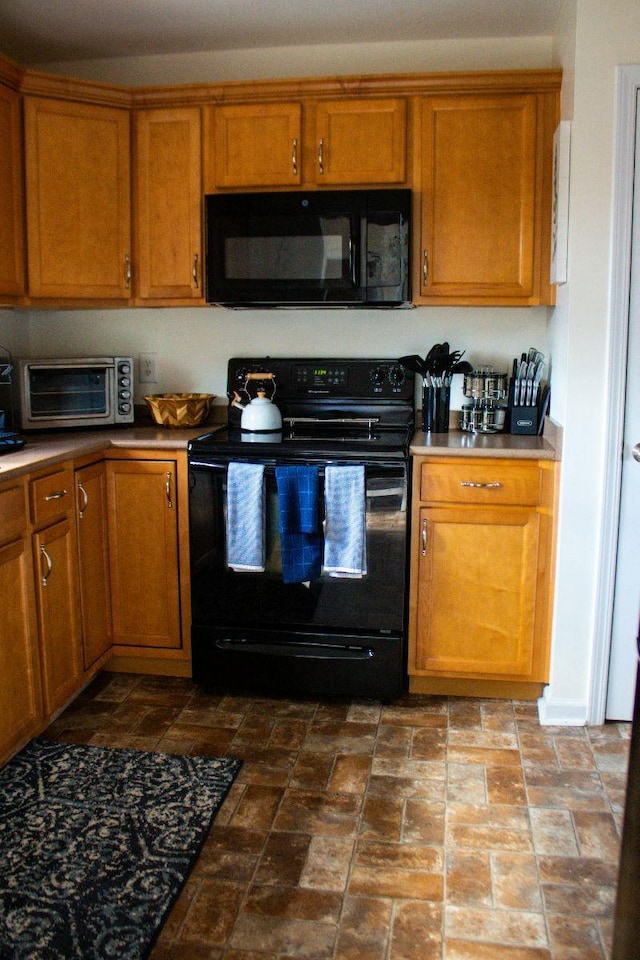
(344,531)
(245,517)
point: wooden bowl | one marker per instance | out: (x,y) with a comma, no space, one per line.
(179,409)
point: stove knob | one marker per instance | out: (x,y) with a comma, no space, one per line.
(396,376)
(377,376)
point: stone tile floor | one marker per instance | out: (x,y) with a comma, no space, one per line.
(428,829)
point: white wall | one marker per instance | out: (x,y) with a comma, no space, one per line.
(606,34)
(14,332)
(193,346)
(518,53)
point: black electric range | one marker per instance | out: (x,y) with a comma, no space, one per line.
(330,633)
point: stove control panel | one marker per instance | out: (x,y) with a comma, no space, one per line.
(357,378)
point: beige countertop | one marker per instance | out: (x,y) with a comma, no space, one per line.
(458,443)
(45,449)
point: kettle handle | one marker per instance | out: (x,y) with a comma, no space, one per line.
(261,376)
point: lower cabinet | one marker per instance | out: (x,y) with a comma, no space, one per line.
(481,576)
(56,585)
(20,687)
(58,613)
(93,561)
(144,557)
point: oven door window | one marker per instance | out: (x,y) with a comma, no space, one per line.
(223,597)
(69,392)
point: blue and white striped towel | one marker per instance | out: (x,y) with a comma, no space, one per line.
(245,517)
(344,532)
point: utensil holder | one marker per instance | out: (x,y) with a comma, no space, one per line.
(435,409)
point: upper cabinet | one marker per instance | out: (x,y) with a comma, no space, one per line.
(12,275)
(78,199)
(168,204)
(482,223)
(257,145)
(476,150)
(360,141)
(332,142)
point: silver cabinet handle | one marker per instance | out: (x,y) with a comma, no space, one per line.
(482,486)
(47,559)
(425,265)
(294,156)
(636,452)
(167,489)
(194,271)
(423,537)
(127,271)
(85,499)
(321,156)
(57,495)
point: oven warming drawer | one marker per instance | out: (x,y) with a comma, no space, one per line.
(302,662)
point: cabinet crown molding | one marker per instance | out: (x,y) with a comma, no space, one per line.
(39,83)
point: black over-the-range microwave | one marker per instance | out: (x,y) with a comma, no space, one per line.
(328,248)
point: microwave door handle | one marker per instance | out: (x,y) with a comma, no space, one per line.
(354,265)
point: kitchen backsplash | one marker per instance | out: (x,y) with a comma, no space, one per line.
(193,345)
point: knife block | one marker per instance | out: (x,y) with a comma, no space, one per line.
(526,420)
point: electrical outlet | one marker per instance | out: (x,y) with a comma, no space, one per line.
(148,368)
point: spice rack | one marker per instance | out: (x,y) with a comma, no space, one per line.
(487,391)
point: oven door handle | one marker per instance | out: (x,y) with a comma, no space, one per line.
(216,464)
(312,651)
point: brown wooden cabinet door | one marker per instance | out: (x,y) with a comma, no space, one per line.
(479,181)
(143,547)
(168,204)
(78,199)
(20,692)
(12,274)
(55,569)
(93,561)
(477,581)
(253,145)
(361,141)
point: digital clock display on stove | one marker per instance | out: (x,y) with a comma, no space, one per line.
(322,376)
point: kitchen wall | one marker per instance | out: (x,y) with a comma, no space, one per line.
(519,53)
(193,345)
(593,38)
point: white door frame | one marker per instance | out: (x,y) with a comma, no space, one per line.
(628,85)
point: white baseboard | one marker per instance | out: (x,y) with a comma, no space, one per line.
(561,713)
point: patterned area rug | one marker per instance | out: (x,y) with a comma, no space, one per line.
(95,845)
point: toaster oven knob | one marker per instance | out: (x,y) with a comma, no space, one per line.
(124,368)
(125,382)
(124,407)
(125,394)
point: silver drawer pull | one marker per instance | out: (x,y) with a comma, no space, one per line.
(58,495)
(45,556)
(483,486)
(85,500)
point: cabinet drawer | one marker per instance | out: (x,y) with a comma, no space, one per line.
(486,481)
(51,497)
(13,514)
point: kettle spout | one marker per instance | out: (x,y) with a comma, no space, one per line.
(236,402)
